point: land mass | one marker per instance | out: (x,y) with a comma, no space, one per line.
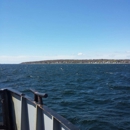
(84,61)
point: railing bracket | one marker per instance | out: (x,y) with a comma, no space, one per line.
(38,96)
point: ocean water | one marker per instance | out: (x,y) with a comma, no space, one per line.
(91,96)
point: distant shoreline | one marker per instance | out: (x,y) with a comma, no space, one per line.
(85,61)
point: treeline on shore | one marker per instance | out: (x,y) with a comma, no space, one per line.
(85,61)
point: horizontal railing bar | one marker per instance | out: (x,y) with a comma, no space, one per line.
(59,118)
(39,94)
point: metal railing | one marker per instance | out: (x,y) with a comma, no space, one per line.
(20,112)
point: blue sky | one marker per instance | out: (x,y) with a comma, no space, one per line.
(33,30)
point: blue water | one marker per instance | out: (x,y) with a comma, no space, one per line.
(92,97)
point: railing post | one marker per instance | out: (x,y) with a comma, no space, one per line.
(38,96)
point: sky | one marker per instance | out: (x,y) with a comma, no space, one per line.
(33,30)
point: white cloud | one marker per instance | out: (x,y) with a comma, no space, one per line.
(110,55)
(80,54)
(19,59)
(90,55)
(12,59)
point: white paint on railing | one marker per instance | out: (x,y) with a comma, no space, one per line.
(29,116)
(16,106)
(48,122)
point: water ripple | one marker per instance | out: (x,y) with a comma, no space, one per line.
(92,97)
